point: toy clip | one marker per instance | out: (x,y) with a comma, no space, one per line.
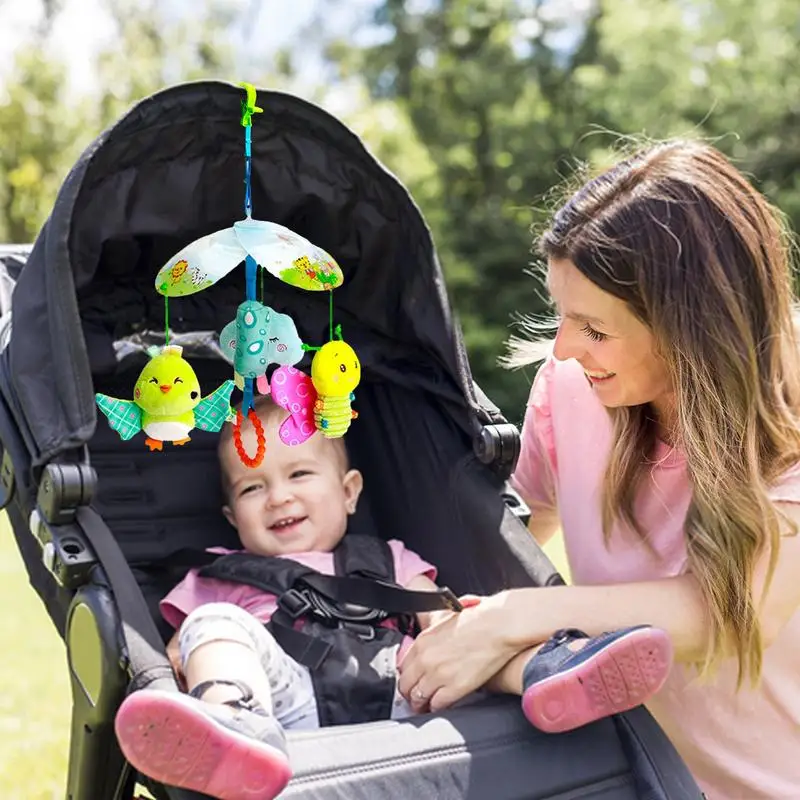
(249,106)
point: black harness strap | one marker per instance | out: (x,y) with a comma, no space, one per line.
(144,649)
(359,580)
(356,601)
(351,654)
(367,556)
(278,576)
(386,597)
(368,564)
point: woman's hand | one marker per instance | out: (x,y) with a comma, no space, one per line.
(456,655)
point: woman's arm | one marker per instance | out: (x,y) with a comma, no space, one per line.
(674,604)
(464,652)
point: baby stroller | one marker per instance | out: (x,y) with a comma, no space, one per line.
(99,521)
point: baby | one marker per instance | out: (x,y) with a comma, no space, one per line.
(225,738)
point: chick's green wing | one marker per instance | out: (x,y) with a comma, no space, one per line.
(214,410)
(124,416)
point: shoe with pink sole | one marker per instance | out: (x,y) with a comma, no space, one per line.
(564,689)
(231,751)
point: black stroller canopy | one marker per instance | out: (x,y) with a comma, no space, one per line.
(103,536)
(172,170)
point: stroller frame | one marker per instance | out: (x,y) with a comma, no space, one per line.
(91,580)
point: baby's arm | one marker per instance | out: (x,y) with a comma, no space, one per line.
(422,583)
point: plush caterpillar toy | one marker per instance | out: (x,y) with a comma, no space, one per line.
(335,373)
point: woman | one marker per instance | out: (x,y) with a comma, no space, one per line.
(663,436)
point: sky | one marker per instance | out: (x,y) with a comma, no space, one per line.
(83,27)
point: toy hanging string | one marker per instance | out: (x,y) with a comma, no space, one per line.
(250,265)
(166,316)
(251,268)
(337,331)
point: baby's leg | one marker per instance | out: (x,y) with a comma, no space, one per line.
(222,738)
(221,642)
(573,679)
(218,642)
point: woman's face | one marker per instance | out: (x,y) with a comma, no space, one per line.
(616,350)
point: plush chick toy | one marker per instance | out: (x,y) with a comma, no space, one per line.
(166,403)
(335,373)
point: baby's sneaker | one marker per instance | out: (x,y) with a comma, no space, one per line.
(231,751)
(565,688)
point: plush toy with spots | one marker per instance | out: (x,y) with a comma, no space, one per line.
(257,338)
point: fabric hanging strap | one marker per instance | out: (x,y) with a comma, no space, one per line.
(145,648)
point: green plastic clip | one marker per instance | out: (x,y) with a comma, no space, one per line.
(249,106)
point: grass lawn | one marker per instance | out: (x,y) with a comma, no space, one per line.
(35,697)
(35,701)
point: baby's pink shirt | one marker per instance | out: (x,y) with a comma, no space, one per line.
(739,746)
(194,591)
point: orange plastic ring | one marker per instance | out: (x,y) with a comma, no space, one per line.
(260,438)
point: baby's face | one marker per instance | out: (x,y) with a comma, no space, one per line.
(297,500)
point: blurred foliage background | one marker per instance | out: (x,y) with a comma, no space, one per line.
(483,108)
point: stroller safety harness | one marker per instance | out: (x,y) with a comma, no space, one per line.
(328,623)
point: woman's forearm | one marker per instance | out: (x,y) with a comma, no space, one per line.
(672,604)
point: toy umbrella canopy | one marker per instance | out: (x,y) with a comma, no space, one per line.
(283,253)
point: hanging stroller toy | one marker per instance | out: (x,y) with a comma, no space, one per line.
(259,336)
(166,402)
(335,373)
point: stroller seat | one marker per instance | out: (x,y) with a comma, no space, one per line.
(97,520)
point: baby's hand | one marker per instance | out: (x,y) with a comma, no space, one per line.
(433,618)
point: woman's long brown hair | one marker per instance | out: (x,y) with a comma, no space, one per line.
(703,260)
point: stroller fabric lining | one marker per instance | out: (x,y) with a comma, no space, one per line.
(83,309)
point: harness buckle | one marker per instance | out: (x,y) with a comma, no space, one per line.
(364,632)
(294,603)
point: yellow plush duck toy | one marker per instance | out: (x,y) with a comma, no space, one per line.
(166,403)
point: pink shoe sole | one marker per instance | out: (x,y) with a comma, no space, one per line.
(620,677)
(167,737)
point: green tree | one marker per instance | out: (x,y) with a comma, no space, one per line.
(492,102)
(43,130)
(39,139)
(724,70)
(154,49)
(509,96)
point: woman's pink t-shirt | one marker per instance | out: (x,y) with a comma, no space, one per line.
(739,746)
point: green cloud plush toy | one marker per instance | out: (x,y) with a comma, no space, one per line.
(166,403)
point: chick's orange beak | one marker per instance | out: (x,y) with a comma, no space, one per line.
(165,388)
